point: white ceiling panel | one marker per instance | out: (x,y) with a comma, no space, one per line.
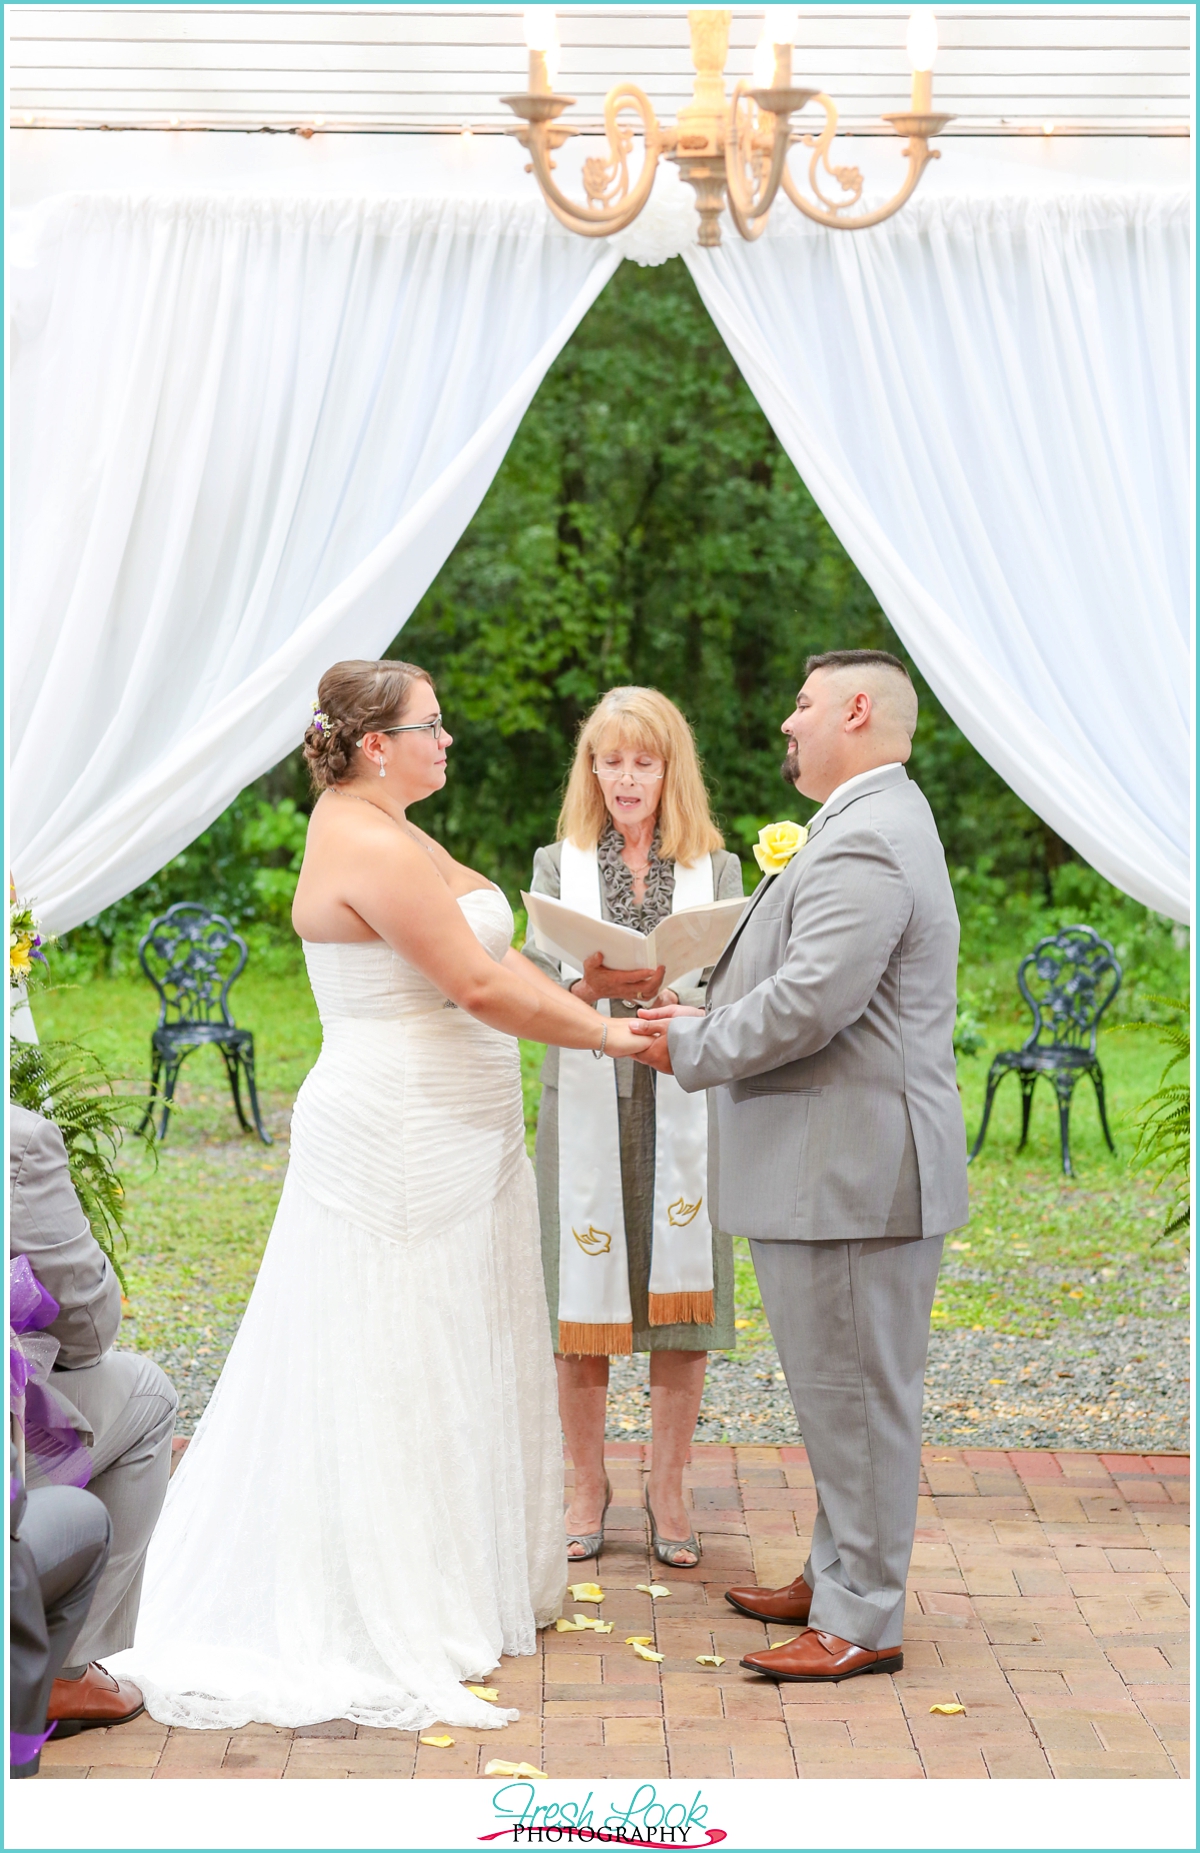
(1002,71)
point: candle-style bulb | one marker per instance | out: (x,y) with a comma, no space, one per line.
(922,38)
(764,63)
(541,36)
(541,28)
(779,26)
(922,50)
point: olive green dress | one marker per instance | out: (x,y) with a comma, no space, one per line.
(635,1114)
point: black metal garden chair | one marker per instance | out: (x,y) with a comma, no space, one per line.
(1078,976)
(192,956)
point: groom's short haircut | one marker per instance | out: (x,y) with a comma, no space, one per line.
(897,700)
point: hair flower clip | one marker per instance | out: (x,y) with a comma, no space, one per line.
(319,720)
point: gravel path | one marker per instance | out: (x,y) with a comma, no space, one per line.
(1091,1384)
(1123,1387)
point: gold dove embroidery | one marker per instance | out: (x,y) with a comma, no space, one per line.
(680,1213)
(594,1241)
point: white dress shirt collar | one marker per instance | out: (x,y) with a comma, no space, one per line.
(851,785)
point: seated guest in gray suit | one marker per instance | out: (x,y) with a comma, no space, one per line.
(837,1143)
(121,1404)
(59,1538)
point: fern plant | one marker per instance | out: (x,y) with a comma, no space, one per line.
(1164,1121)
(67,1083)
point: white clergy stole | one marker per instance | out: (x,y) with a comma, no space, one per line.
(594,1311)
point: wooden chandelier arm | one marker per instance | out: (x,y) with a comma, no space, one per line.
(596,222)
(828,212)
(749,214)
(859,221)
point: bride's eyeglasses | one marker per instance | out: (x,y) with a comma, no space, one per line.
(432,726)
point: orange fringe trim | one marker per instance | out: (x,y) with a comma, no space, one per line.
(682,1309)
(591,1341)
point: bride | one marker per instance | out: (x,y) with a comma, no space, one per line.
(371,1510)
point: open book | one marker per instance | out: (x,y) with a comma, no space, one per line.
(685,942)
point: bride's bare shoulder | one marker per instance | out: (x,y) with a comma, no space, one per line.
(340,819)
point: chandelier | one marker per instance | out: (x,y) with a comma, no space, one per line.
(733,153)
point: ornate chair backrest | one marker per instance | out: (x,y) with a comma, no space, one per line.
(1076,976)
(191,956)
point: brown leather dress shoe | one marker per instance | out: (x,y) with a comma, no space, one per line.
(818,1656)
(90,1703)
(789,1604)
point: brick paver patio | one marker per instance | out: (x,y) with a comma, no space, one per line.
(1047,1596)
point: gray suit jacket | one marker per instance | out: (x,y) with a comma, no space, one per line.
(828,1037)
(47,1224)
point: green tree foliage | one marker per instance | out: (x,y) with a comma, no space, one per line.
(647,527)
(244,866)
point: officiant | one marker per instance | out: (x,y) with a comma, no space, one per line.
(632,1261)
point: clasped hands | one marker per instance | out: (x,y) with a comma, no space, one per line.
(648,1029)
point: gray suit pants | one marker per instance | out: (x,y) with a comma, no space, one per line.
(850,1321)
(58,1556)
(129,1404)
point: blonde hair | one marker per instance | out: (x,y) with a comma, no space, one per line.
(644,720)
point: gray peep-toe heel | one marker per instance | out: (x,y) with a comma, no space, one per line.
(592,1541)
(667,1549)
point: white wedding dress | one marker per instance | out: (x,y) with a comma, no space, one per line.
(371,1509)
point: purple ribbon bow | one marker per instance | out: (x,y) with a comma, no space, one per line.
(50,1436)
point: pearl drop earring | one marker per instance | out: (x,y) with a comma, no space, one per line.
(382,768)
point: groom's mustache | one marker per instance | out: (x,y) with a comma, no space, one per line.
(789,771)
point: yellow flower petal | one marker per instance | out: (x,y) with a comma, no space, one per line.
(639,1640)
(948,1711)
(585,1592)
(582,1624)
(485,1692)
(498,1767)
(645,1653)
(710,1659)
(438,1743)
(653,1590)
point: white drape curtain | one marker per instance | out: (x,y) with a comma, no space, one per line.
(245,436)
(989,400)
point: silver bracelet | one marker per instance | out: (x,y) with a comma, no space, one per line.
(603,1039)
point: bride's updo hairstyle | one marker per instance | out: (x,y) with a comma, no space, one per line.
(352,699)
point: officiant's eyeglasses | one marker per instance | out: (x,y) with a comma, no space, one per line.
(432,726)
(645,768)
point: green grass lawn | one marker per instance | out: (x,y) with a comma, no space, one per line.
(1039,1248)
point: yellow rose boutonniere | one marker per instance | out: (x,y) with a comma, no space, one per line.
(777,844)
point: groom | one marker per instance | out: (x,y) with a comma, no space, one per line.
(837,1143)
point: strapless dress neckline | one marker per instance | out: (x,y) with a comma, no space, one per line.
(366,945)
